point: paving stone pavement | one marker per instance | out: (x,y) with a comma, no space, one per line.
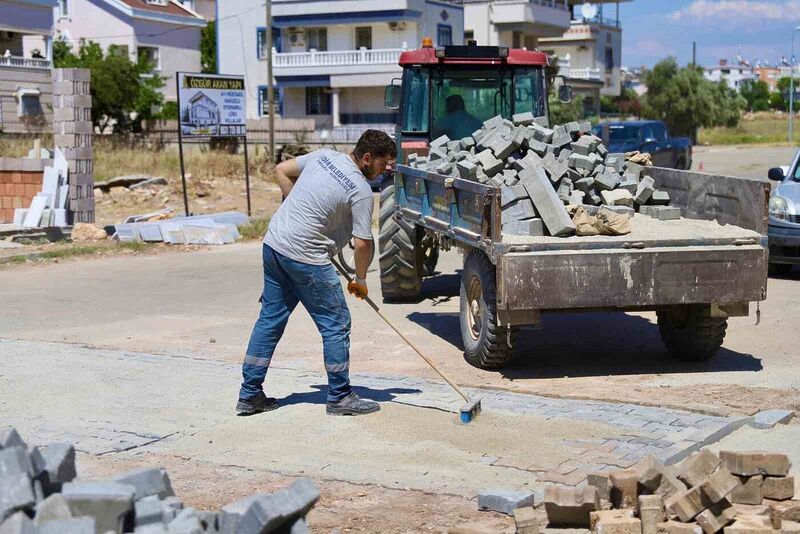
(667,433)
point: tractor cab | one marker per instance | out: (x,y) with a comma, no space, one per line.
(453,90)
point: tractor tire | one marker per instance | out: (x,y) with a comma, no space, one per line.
(689,334)
(486,343)
(400,260)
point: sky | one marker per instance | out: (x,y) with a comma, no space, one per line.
(655,29)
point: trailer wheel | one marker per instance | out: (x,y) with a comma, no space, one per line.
(400,260)
(689,334)
(486,343)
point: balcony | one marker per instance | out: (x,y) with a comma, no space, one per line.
(333,62)
(587,73)
(25,62)
(543,18)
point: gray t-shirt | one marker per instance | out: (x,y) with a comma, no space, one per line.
(330,202)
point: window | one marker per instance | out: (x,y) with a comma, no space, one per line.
(29,104)
(151,55)
(469,35)
(529,92)
(444,35)
(609,58)
(261,38)
(63,9)
(263,101)
(317,38)
(318,101)
(659,132)
(463,98)
(189,4)
(364,37)
(415,101)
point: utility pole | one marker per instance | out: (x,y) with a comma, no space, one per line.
(791,89)
(270,92)
(694,54)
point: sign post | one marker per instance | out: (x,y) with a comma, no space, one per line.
(211,106)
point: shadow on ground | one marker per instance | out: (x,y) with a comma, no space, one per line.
(582,344)
(320,395)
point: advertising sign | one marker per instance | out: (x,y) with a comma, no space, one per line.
(211,105)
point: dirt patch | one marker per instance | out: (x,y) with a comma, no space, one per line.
(344,506)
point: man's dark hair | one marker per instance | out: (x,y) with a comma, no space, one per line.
(454,103)
(377,143)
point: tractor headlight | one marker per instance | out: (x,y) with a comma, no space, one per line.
(778,207)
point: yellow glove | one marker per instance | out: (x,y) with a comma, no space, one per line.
(358,288)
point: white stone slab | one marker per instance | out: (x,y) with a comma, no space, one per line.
(34,215)
(59,218)
(61,165)
(19,216)
(50,185)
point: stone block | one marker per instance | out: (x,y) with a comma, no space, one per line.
(186,522)
(16,493)
(9,437)
(718,485)
(436,154)
(467,170)
(542,133)
(573,128)
(523,119)
(148,511)
(576,197)
(578,161)
(582,146)
(784,510)
(752,509)
(453,146)
(631,186)
(542,121)
(659,198)
(619,525)
(494,122)
(57,460)
(555,168)
(52,508)
(749,463)
(76,525)
(510,178)
(778,488)
(512,194)
(617,197)
(790,527)
(644,191)
(651,512)
(747,527)
(502,147)
(525,227)
(602,150)
(495,181)
(594,199)
(600,482)
(564,154)
(699,465)
(650,471)
(561,139)
(19,523)
(600,169)
(606,182)
(615,161)
(547,204)
(585,127)
(107,502)
(467,143)
(265,512)
(770,418)
(444,168)
(531,160)
(525,520)
(518,210)
(624,488)
(715,517)
(570,506)
(15,461)
(685,505)
(491,165)
(748,491)
(676,527)
(761,520)
(634,168)
(504,501)
(585,184)
(607,515)
(538,147)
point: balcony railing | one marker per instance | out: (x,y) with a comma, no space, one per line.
(557,4)
(25,62)
(584,74)
(335,58)
(603,21)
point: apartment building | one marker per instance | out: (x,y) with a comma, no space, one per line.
(331,59)
(164,31)
(736,75)
(26,89)
(205,8)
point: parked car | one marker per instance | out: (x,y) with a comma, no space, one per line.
(784,218)
(647,136)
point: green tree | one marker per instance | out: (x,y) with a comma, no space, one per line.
(757,95)
(124,93)
(208,48)
(686,101)
(561,113)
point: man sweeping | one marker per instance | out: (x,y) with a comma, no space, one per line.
(327,201)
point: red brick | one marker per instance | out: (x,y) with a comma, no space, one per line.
(5,202)
(16,177)
(34,178)
(16,202)
(28,190)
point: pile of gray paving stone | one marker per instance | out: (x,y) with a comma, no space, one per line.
(39,494)
(541,170)
(747,492)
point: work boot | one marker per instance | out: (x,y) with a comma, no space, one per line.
(352,405)
(259,403)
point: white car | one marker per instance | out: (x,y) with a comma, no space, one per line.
(784,218)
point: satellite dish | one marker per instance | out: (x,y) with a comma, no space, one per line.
(588,11)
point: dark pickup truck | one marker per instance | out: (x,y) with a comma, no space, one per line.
(647,136)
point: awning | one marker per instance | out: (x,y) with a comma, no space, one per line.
(324,19)
(303,81)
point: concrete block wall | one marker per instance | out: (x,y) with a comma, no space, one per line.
(72,133)
(20,180)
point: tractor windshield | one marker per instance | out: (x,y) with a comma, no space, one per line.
(455,101)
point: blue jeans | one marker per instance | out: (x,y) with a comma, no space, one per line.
(287,282)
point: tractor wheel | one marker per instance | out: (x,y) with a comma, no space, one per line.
(487,345)
(690,334)
(400,260)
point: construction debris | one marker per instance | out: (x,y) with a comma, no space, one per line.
(540,170)
(39,494)
(212,229)
(747,492)
(83,232)
(49,207)
(132,181)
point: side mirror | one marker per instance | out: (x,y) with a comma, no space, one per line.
(775,174)
(391,96)
(565,94)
